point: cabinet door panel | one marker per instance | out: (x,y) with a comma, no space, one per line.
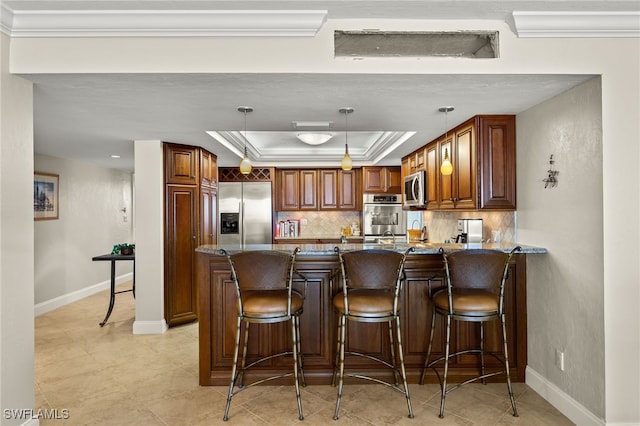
(433,176)
(348,195)
(446,182)
(497,151)
(328,187)
(464,192)
(288,190)
(394,180)
(308,190)
(181,234)
(181,164)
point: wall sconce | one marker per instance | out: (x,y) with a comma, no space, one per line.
(551,181)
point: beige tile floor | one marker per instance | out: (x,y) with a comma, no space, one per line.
(108,376)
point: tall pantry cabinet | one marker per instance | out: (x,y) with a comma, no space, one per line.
(191,180)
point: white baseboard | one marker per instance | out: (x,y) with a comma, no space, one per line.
(57,302)
(149,327)
(568,406)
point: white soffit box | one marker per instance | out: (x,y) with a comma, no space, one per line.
(577,24)
(163,23)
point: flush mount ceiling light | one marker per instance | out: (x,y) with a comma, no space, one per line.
(346,164)
(314,138)
(446,168)
(245,164)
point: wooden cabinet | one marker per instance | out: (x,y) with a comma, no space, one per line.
(482,151)
(318,323)
(191,179)
(313,189)
(308,189)
(208,169)
(458,190)
(297,189)
(181,164)
(181,241)
(208,215)
(433,176)
(381,180)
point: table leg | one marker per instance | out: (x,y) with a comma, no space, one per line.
(113,293)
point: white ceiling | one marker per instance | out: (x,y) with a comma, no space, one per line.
(90,117)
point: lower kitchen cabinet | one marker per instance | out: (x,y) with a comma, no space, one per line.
(217,320)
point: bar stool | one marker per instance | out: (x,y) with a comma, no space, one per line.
(475,292)
(371,284)
(265,294)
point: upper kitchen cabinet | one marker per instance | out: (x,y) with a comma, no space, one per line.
(381,180)
(208,169)
(340,189)
(482,151)
(181,164)
(297,189)
(458,190)
(318,189)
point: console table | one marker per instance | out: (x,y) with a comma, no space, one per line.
(113,258)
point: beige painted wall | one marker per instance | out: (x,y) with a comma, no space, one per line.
(16,240)
(566,298)
(90,223)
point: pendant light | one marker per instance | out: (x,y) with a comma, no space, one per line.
(446,168)
(346,164)
(245,164)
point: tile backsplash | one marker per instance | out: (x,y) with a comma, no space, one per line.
(442,226)
(322,223)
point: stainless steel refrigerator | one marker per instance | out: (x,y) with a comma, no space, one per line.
(245,213)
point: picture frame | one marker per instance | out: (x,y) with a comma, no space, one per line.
(45,196)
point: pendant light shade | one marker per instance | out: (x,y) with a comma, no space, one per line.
(245,164)
(346,163)
(446,168)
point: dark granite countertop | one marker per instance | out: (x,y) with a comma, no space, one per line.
(325,249)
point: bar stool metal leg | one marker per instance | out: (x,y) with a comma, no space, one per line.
(296,366)
(506,366)
(233,371)
(426,361)
(402,369)
(342,329)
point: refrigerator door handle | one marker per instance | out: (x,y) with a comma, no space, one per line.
(242,230)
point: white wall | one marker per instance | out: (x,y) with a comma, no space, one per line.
(149,219)
(16,241)
(90,223)
(565,302)
(616,60)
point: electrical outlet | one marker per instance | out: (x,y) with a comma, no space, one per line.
(560,359)
(303,221)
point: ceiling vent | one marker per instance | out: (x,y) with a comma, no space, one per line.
(388,44)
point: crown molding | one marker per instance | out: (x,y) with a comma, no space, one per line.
(162,23)
(577,24)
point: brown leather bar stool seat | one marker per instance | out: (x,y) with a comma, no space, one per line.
(371,285)
(264,282)
(474,292)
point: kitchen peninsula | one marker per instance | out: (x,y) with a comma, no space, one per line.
(319,265)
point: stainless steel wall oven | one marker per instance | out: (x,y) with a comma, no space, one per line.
(383,218)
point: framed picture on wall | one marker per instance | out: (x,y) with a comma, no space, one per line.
(45,196)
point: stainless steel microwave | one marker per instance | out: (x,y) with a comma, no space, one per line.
(414,189)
